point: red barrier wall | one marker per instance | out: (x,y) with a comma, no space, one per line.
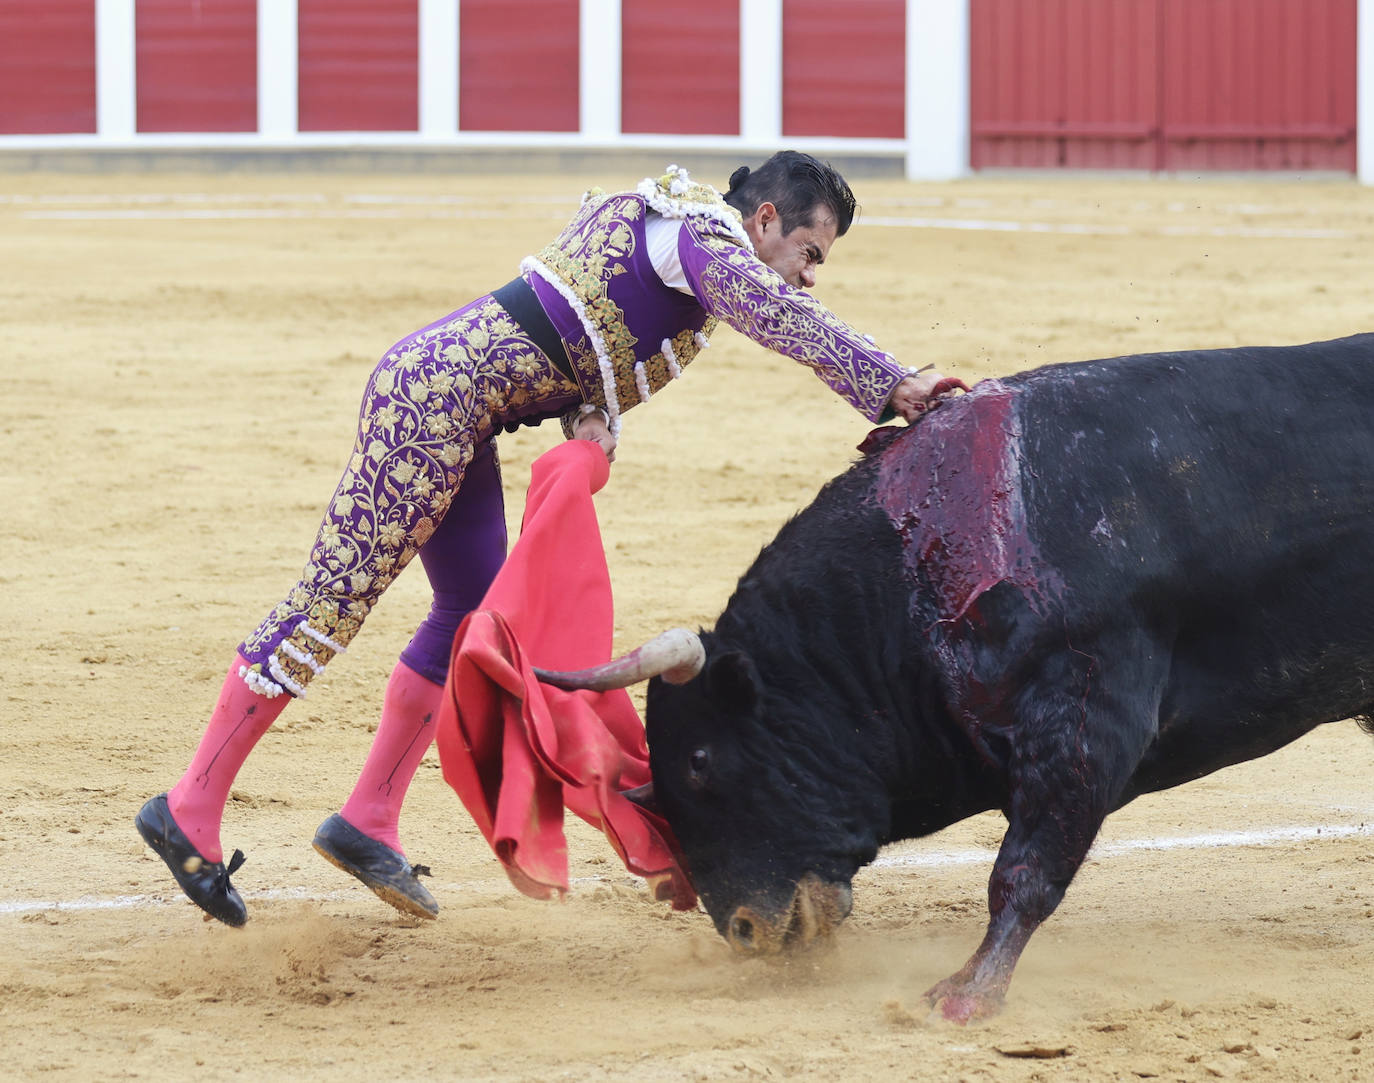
(518,65)
(844,68)
(47,66)
(197,63)
(358,65)
(680,73)
(1259,84)
(1163,84)
(1070,83)
(1139,84)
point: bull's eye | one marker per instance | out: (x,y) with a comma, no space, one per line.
(697,764)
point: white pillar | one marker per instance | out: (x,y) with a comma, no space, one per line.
(937,89)
(438,68)
(599,69)
(116,84)
(278,67)
(760,71)
(1364,94)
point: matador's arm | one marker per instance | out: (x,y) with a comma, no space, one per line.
(735,286)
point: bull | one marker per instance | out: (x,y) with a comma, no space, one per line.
(1053,594)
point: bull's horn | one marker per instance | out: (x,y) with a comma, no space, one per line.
(676,655)
(643,796)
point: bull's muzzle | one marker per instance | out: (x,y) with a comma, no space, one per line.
(816,910)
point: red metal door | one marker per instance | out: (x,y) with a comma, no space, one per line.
(1069,83)
(680,74)
(359,63)
(47,66)
(197,65)
(1163,84)
(844,68)
(1258,84)
(518,65)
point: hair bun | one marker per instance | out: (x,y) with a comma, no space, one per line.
(738,177)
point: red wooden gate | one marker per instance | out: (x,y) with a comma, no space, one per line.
(679,74)
(197,66)
(1163,84)
(844,68)
(358,62)
(47,66)
(518,65)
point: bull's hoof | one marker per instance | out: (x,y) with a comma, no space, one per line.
(957,1003)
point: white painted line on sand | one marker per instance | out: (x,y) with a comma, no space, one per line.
(993,225)
(1272,836)
(255,214)
(200,206)
(990,225)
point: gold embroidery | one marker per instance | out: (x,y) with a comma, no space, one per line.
(597,245)
(754,300)
(428,404)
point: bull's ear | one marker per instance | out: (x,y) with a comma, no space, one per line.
(733,681)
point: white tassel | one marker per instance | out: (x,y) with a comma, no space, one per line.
(291,686)
(294,652)
(260,684)
(663,202)
(669,356)
(320,637)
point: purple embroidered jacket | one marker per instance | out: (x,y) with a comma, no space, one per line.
(628,334)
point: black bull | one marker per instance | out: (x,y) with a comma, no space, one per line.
(1060,591)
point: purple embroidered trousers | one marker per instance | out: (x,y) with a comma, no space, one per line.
(424,479)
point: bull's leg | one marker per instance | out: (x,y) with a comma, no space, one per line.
(1069,762)
(1029,878)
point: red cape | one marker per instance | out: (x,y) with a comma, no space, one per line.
(517,751)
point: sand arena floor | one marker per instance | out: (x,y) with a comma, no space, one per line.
(183,356)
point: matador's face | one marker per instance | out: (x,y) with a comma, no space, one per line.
(795,255)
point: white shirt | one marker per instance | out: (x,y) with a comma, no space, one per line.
(661,235)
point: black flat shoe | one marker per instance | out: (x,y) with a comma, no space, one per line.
(386,872)
(206,883)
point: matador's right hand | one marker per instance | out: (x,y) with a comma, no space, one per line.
(593,427)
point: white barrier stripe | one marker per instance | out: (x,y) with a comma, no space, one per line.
(936,859)
(1269,837)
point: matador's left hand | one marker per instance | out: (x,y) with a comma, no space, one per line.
(919,392)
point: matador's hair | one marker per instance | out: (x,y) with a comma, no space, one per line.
(796,184)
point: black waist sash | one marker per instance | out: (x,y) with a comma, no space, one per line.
(519,299)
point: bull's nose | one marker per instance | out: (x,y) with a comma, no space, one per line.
(742,930)
(746,933)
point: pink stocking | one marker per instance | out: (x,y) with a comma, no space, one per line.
(240,717)
(405,731)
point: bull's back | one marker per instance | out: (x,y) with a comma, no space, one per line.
(1201,457)
(1222,503)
